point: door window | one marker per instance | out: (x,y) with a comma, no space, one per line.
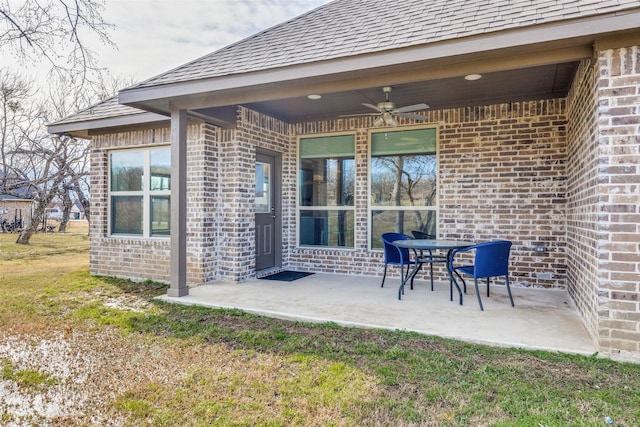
(263,187)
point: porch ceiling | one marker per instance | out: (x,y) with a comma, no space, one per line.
(540,82)
(522,84)
(432,75)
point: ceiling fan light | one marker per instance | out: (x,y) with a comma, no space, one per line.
(378,122)
(388,120)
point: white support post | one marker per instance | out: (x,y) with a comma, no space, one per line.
(178,286)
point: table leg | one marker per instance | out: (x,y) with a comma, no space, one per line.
(452,278)
(407,278)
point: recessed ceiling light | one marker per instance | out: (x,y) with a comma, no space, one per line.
(473,77)
(314,96)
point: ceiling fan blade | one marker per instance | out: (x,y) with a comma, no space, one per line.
(411,116)
(375,107)
(409,108)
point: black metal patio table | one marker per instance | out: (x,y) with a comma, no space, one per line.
(432,244)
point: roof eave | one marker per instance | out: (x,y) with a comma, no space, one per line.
(83,129)
(573,38)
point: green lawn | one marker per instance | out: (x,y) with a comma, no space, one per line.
(101,351)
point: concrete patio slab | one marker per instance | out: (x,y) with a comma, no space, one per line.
(542,319)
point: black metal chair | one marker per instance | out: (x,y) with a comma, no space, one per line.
(491,259)
(428,257)
(396,256)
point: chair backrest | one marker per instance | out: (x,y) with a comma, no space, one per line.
(393,254)
(421,235)
(492,258)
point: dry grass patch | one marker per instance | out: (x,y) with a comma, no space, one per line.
(132,380)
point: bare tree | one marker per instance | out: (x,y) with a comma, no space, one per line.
(74,186)
(57,32)
(406,179)
(14,92)
(64,100)
(34,163)
(47,167)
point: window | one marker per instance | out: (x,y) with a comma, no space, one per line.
(139,190)
(326,191)
(403,183)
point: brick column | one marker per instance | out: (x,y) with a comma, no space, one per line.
(619,201)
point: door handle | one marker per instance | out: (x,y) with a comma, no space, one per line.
(273,213)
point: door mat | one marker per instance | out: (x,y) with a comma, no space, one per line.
(287,276)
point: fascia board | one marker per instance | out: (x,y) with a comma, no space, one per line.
(110,122)
(587,28)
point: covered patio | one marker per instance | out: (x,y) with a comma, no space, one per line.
(524,115)
(542,319)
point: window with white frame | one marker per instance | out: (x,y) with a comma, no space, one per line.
(139,191)
(403,182)
(326,191)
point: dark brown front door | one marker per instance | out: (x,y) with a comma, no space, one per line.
(268,219)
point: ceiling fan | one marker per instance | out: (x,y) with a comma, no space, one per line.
(388,109)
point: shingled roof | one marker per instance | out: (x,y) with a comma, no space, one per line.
(350,36)
(107,108)
(346,28)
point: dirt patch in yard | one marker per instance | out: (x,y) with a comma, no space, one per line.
(91,384)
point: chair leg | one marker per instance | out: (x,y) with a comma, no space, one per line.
(384,275)
(487,287)
(478,295)
(464,284)
(509,290)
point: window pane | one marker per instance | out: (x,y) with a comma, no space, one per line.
(327,146)
(416,141)
(400,222)
(160,215)
(126,215)
(127,171)
(326,228)
(263,186)
(160,162)
(327,182)
(327,171)
(403,180)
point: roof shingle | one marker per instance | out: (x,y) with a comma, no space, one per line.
(108,108)
(345,28)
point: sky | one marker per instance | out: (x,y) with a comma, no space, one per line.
(154,36)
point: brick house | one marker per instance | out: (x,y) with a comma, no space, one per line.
(262,155)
